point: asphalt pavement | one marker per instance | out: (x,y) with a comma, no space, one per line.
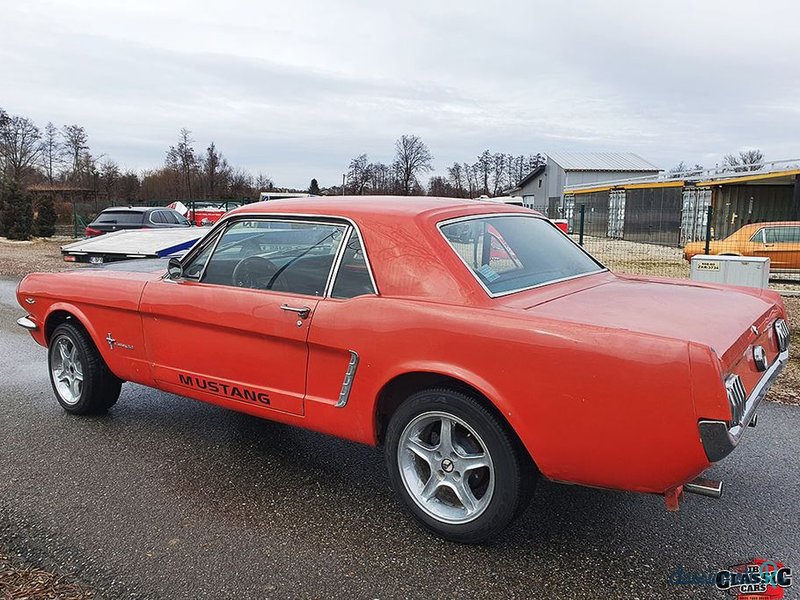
(166,497)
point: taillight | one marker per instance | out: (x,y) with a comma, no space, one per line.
(92,232)
(737,398)
(782,334)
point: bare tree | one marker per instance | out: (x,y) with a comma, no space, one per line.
(381,178)
(241,184)
(182,158)
(76,143)
(52,157)
(264,183)
(747,160)
(110,178)
(129,186)
(456,178)
(412,160)
(358,174)
(215,171)
(20,146)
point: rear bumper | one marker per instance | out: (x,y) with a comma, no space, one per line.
(718,439)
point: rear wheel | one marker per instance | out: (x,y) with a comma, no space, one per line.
(80,377)
(457,469)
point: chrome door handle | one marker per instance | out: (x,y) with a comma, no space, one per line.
(302,311)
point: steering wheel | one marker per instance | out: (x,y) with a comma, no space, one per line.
(254,272)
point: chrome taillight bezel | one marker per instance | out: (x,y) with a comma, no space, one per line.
(782,335)
(737,398)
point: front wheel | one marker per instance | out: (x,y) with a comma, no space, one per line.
(456,467)
(80,377)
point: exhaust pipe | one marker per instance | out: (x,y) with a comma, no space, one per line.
(710,488)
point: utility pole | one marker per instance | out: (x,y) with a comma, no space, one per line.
(343,176)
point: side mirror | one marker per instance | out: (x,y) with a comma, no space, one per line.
(175,269)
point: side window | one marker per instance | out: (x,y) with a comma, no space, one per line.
(195,268)
(482,247)
(788,235)
(157,217)
(353,277)
(770,235)
(758,236)
(285,256)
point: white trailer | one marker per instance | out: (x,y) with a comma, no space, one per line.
(130,244)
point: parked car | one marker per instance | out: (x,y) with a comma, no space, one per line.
(204,212)
(779,241)
(480,360)
(135,217)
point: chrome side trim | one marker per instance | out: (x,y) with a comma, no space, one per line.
(491,294)
(718,440)
(349,376)
(27,323)
(337,261)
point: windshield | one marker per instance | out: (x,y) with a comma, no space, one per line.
(119,217)
(512,253)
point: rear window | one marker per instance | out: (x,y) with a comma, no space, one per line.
(119,217)
(512,253)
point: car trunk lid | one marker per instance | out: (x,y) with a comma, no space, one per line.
(716,316)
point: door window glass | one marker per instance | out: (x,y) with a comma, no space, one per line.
(284,256)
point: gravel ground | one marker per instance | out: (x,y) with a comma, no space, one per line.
(19,580)
(39,254)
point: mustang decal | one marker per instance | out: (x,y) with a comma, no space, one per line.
(224,389)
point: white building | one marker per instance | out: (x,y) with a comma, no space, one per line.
(543,188)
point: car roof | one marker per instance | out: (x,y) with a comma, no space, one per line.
(139,209)
(359,207)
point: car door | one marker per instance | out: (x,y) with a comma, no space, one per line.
(233,328)
(781,244)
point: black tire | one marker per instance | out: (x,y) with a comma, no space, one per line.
(514,473)
(99,388)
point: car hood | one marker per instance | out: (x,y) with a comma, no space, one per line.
(716,316)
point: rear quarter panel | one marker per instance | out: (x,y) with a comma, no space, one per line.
(593,406)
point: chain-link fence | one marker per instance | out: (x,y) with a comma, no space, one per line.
(657,232)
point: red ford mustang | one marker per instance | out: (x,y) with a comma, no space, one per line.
(475,341)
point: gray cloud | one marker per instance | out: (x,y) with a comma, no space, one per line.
(296,89)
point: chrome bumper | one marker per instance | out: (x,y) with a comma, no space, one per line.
(718,439)
(27,323)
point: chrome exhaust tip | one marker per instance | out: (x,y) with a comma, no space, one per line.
(710,488)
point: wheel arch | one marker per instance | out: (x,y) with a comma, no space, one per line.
(402,385)
(61,313)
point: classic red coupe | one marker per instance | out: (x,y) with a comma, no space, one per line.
(475,341)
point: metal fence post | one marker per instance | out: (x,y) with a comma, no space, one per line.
(709,214)
(580,224)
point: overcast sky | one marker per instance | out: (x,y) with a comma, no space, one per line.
(295,89)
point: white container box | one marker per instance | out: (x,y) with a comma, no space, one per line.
(733,270)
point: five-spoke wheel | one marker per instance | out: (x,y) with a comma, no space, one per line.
(445,467)
(81,380)
(67,371)
(458,467)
